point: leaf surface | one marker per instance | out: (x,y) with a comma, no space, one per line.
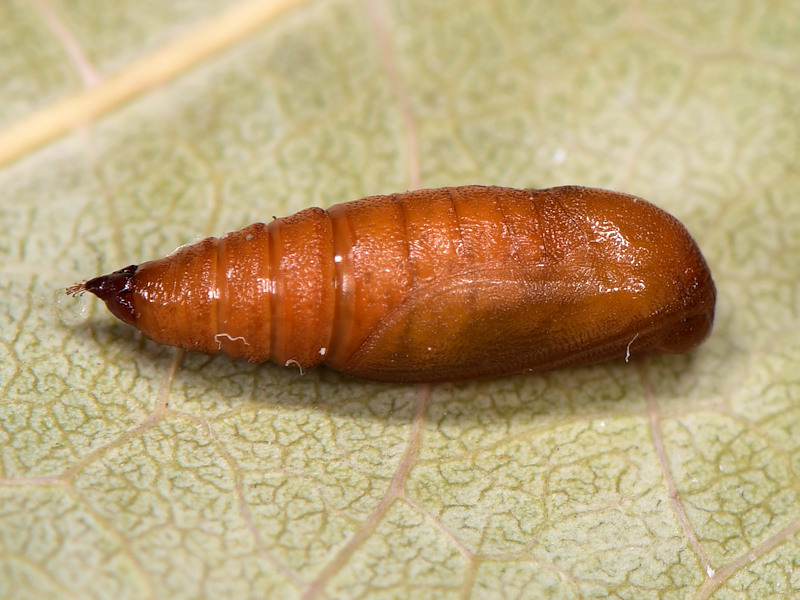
(131,470)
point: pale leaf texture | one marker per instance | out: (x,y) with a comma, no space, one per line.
(132,471)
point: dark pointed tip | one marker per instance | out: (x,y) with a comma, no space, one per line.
(115,290)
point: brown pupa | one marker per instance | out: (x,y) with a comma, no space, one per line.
(432,285)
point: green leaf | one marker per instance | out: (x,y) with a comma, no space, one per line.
(132,471)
